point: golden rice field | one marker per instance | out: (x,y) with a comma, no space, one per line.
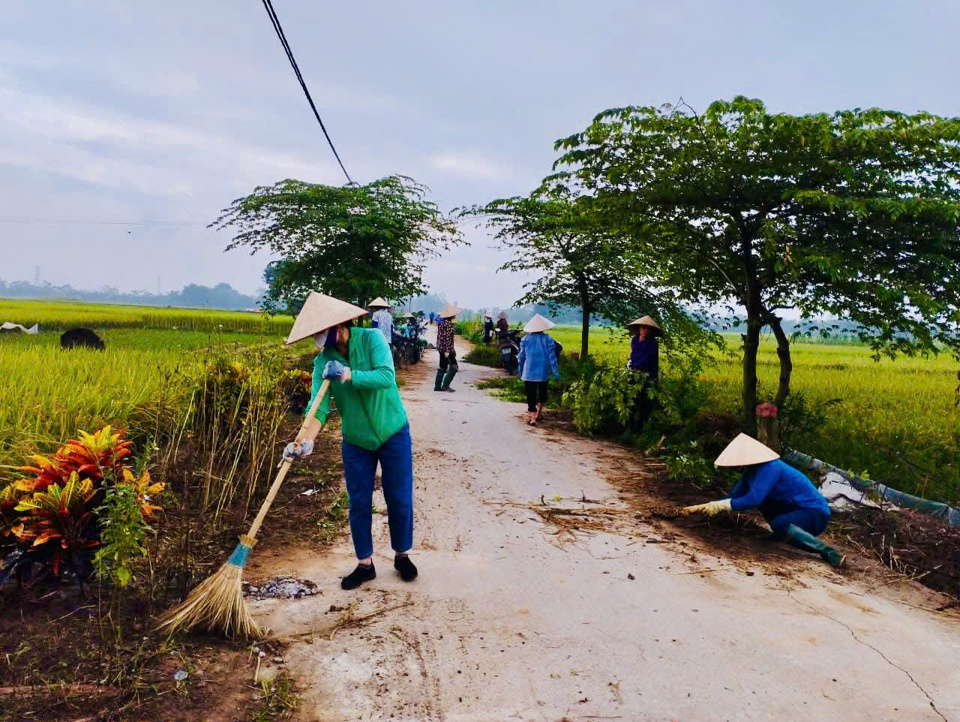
(60,315)
(895,420)
(143,379)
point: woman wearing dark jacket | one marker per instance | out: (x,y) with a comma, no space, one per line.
(644,358)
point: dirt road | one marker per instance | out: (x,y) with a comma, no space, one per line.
(511,622)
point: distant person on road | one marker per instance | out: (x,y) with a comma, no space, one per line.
(382,318)
(644,358)
(503,326)
(538,363)
(791,504)
(487,327)
(359,365)
(432,316)
(445,347)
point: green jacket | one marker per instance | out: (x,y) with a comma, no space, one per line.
(369,404)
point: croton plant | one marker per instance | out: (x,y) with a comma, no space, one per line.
(48,515)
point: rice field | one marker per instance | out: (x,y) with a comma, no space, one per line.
(895,421)
(60,315)
(142,381)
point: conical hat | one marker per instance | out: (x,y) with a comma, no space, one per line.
(449,311)
(646,321)
(744,451)
(538,323)
(319,313)
(502,314)
(488,314)
(406,315)
(378,302)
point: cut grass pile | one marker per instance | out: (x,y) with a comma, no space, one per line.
(895,421)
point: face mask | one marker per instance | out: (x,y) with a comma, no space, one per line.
(321,339)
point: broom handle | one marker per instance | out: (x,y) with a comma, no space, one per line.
(285,466)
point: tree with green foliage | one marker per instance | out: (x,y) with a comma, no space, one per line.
(355,242)
(576,260)
(852,215)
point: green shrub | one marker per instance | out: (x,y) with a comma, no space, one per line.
(483,355)
(603,397)
(123,531)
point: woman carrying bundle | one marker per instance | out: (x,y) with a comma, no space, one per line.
(538,363)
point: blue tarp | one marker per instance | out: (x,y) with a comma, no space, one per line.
(946,512)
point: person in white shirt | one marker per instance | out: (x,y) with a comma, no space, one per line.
(382,318)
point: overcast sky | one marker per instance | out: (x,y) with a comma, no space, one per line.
(166,110)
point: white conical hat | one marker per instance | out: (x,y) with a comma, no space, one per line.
(449,311)
(319,313)
(744,451)
(378,302)
(488,314)
(646,321)
(538,323)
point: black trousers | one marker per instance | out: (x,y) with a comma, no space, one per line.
(643,407)
(536,393)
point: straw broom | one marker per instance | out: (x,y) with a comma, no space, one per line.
(217,602)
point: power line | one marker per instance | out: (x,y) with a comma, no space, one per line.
(41,221)
(268,6)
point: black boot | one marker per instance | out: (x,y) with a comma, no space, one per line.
(439,380)
(451,372)
(363,573)
(407,569)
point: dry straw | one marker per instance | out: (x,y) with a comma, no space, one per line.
(217,603)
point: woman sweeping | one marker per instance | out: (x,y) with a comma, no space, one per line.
(794,508)
(538,363)
(375,429)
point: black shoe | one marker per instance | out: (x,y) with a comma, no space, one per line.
(363,573)
(407,569)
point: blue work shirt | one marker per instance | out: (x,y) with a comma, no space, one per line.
(645,356)
(538,357)
(776,488)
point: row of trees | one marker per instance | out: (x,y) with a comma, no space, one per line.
(851,216)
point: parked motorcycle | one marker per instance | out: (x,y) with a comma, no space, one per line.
(510,350)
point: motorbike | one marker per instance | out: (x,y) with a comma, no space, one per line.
(510,350)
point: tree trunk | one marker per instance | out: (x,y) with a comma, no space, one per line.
(585,324)
(786,363)
(751,344)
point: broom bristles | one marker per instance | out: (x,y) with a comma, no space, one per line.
(215,604)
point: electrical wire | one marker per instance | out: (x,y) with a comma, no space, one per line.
(41,221)
(275,20)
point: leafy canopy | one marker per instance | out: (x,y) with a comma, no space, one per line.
(853,214)
(354,242)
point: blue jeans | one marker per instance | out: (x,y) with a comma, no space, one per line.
(810,520)
(395,457)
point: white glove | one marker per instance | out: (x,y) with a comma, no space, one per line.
(294,450)
(711,508)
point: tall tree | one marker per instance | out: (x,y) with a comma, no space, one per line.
(576,260)
(852,215)
(353,242)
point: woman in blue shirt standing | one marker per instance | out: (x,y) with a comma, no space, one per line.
(794,507)
(538,363)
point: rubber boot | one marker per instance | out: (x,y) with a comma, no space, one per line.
(439,380)
(801,539)
(451,372)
